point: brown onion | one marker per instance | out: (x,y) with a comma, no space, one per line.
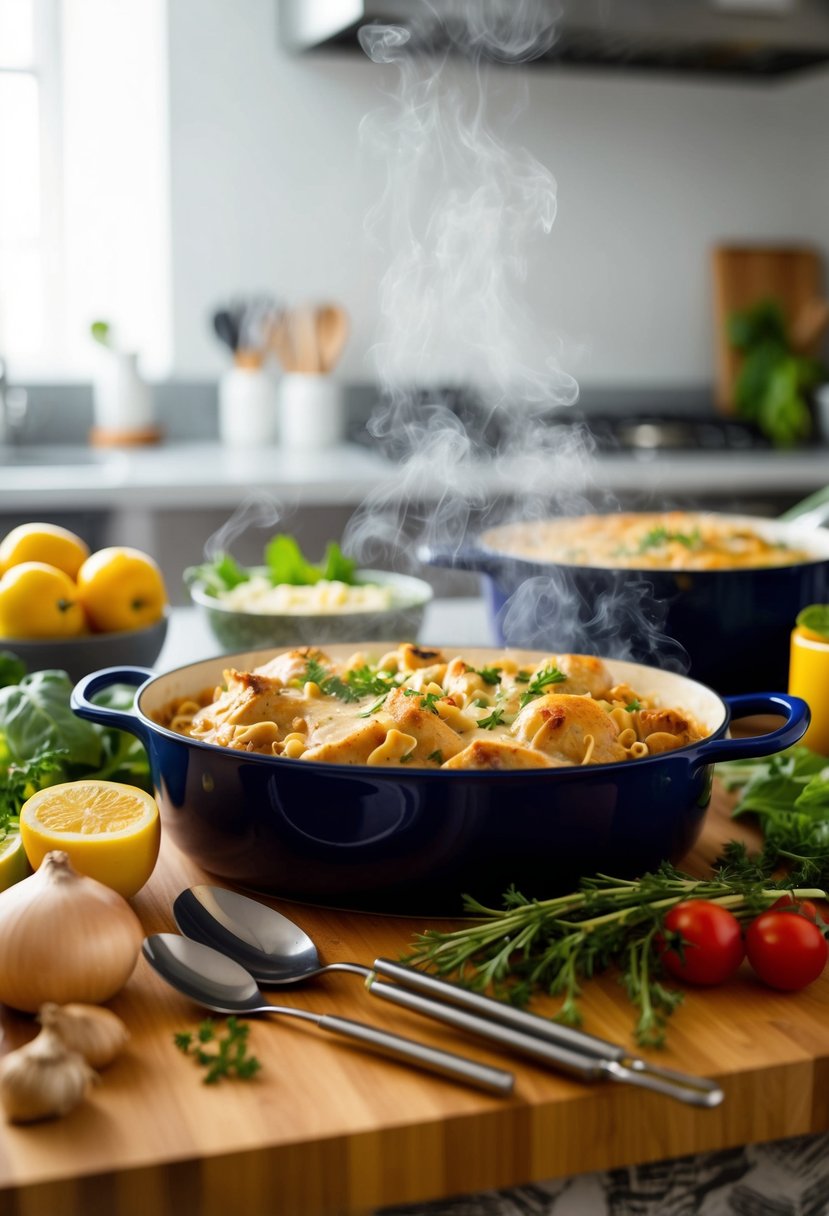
(64,937)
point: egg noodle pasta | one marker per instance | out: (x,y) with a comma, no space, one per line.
(419,707)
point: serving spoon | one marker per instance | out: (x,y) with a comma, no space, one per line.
(223,986)
(278,953)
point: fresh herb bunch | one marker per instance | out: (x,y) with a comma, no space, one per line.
(42,741)
(554,945)
(229,1057)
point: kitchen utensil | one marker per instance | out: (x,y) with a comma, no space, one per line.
(302,323)
(223,986)
(331,334)
(745,275)
(414,840)
(276,952)
(226,328)
(281,341)
(733,624)
(809,325)
(236,629)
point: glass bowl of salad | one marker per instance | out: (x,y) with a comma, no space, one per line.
(289,601)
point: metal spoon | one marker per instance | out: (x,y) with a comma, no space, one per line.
(223,986)
(277,952)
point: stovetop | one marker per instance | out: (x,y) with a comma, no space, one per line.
(651,433)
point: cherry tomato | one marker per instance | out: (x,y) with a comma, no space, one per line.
(804,907)
(712,942)
(786,951)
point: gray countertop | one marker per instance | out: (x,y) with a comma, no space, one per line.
(196,474)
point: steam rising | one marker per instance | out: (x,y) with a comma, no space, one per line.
(460,214)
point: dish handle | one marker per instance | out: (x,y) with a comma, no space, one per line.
(105,715)
(794,709)
(461,557)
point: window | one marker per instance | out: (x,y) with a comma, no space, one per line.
(84,184)
(29,208)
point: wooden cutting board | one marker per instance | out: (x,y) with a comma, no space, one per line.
(327,1130)
(744,275)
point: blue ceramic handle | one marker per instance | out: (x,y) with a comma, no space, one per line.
(465,558)
(124,719)
(794,709)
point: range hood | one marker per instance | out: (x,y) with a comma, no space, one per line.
(748,39)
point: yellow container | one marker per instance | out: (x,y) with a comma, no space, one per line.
(809,673)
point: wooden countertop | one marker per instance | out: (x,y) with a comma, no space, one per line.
(329,1129)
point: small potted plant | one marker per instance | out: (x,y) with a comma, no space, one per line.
(123,403)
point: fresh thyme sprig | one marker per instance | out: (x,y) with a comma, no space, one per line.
(230,1057)
(553,945)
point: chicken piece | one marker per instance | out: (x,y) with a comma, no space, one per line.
(247,699)
(355,747)
(411,657)
(585,674)
(562,726)
(496,754)
(666,722)
(411,716)
(291,666)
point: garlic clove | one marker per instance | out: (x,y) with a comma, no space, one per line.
(97,1034)
(43,1079)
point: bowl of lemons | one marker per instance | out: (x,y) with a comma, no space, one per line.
(63,606)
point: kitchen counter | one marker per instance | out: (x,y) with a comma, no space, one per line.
(205,474)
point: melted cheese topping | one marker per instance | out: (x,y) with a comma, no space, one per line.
(419,707)
(672,540)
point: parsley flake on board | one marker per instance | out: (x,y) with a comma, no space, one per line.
(230,1055)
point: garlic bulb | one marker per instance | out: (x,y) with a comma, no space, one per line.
(97,1034)
(64,937)
(42,1079)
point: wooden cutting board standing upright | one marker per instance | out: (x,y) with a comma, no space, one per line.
(745,275)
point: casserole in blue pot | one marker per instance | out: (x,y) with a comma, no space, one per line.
(414,840)
(726,627)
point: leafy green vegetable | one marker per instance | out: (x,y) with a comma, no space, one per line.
(42,741)
(230,1057)
(284,563)
(12,668)
(773,382)
(491,720)
(789,794)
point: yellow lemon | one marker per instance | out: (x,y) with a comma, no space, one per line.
(121,588)
(39,601)
(14,864)
(47,543)
(110,831)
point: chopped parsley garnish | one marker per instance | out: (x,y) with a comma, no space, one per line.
(437,756)
(541,681)
(230,1057)
(633,705)
(480,703)
(662,536)
(489,675)
(405,759)
(522,677)
(358,683)
(427,699)
(492,720)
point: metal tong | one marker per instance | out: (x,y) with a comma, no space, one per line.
(568,1050)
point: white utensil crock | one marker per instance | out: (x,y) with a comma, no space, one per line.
(247,407)
(311,414)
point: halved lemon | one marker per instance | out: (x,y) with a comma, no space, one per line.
(13,862)
(110,831)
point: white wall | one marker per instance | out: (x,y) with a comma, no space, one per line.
(270,189)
